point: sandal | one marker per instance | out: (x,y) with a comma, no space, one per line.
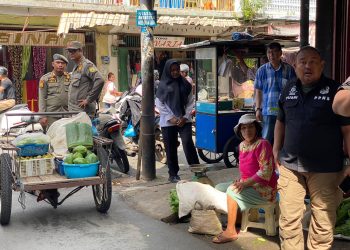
(220,238)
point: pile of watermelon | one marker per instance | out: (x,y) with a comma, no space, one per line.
(80,155)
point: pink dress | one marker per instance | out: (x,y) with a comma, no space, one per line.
(256,161)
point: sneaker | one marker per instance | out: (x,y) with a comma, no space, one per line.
(177,178)
(173,179)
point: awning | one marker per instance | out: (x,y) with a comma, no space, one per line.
(78,20)
(203,21)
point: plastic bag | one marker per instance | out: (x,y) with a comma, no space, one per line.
(31,138)
(191,192)
(236,36)
(130,131)
(78,134)
(57,129)
(204,220)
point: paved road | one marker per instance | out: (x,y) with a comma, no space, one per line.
(77,225)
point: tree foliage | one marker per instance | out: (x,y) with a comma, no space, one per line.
(251,8)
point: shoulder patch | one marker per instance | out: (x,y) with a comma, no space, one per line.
(67,77)
(92,69)
(52,80)
(80,67)
(41,84)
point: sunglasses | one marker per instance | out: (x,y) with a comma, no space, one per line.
(72,51)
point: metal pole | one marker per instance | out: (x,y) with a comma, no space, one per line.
(304,22)
(147,116)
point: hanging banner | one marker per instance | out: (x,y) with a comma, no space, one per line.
(168,42)
(46,39)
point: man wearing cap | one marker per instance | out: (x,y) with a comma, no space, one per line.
(53,90)
(7,91)
(184,70)
(86,81)
(269,82)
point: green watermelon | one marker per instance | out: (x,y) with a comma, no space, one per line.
(69,159)
(80,149)
(77,155)
(91,158)
(79,161)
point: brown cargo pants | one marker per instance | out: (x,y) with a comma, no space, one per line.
(325,197)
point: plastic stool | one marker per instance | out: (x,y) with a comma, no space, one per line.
(271,218)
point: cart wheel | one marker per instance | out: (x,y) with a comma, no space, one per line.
(5,188)
(231,153)
(103,192)
(209,157)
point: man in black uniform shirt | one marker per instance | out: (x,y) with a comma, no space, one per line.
(309,153)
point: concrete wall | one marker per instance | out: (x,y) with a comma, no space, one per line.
(102,50)
(113,66)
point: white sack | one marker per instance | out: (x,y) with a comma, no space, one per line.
(57,132)
(190,192)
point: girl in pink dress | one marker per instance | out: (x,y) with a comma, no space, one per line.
(258,182)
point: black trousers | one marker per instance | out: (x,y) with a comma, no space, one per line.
(170,135)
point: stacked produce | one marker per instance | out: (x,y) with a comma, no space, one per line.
(32,144)
(45,156)
(342,225)
(80,155)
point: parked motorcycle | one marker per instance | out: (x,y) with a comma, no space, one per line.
(109,127)
(130,113)
(14,124)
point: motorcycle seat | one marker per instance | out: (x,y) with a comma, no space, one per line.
(110,123)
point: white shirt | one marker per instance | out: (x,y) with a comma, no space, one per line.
(166,114)
(108,97)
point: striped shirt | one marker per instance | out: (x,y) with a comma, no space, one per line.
(271,82)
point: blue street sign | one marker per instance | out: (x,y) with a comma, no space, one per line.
(146,18)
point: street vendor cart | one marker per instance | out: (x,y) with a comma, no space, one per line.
(224,92)
(14,174)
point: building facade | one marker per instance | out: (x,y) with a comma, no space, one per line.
(26,28)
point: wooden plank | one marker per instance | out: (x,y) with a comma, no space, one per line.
(67,184)
(54,178)
(30,179)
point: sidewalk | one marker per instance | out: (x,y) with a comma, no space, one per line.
(151,198)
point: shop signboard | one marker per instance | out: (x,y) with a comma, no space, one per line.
(168,42)
(45,39)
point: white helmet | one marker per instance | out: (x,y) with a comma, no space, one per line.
(184,67)
(3,71)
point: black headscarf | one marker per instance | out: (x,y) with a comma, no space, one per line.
(173,91)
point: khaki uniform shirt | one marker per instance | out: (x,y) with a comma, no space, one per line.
(53,92)
(86,83)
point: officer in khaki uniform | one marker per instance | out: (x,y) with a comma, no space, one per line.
(53,90)
(86,81)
